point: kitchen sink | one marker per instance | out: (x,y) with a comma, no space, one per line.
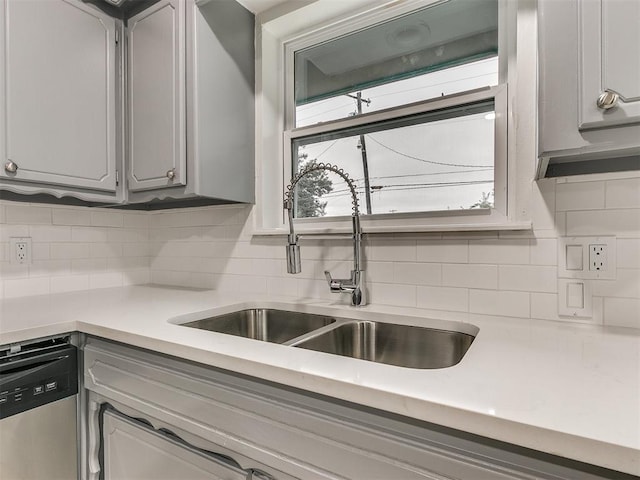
(393,344)
(390,343)
(269,325)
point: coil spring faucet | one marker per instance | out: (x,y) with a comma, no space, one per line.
(353,285)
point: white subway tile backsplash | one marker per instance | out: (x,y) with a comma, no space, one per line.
(470,276)
(382,271)
(579,196)
(8,231)
(135,220)
(283,286)
(442,251)
(105,250)
(622,312)
(9,270)
(106,219)
(417,273)
(392,294)
(544,306)
(543,251)
(628,253)
(506,273)
(443,298)
(48,233)
(504,303)
(88,265)
(43,268)
(39,251)
(623,193)
(626,285)
(511,252)
(127,235)
(389,250)
(623,223)
(136,250)
(527,278)
(136,276)
(88,234)
(27,214)
(69,283)
(71,216)
(24,287)
(105,280)
(69,250)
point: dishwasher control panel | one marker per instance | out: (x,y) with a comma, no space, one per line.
(32,377)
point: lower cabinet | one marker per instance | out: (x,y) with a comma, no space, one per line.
(132,448)
(152,416)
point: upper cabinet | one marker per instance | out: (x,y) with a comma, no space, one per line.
(58,63)
(609,63)
(156,88)
(589,86)
(191,103)
(183,128)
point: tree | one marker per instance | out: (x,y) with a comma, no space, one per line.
(310,189)
(485,202)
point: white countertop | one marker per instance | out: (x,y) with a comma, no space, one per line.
(566,389)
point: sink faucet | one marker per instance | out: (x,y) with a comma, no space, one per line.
(353,285)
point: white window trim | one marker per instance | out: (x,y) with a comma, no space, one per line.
(277,31)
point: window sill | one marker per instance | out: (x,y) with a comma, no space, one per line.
(393,229)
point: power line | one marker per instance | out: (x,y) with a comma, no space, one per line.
(484,169)
(425,160)
(410,186)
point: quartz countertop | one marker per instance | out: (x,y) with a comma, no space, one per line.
(567,389)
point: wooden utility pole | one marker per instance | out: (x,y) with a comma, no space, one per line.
(363,151)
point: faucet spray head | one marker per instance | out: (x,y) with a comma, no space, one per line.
(293,255)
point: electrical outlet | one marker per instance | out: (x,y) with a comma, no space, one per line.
(591,258)
(598,257)
(20,250)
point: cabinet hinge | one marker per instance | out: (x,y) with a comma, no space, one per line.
(117,37)
(117,178)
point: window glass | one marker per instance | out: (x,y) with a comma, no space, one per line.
(442,160)
(446,48)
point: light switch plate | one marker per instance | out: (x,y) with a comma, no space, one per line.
(575,298)
(569,265)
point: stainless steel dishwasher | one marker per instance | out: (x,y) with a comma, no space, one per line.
(38,390)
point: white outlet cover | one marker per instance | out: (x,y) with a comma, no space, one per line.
(567,306)
(563,265)
(14,241)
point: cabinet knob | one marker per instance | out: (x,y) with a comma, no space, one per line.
(607,100)
(10,167)
(171,174)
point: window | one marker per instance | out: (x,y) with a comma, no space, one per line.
(411,101)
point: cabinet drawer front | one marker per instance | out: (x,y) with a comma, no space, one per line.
(57,80)
(299,434)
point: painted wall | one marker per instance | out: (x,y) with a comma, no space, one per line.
(510,273)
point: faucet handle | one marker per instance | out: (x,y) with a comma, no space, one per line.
(334,285)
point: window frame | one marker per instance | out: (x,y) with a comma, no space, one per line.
(510,211)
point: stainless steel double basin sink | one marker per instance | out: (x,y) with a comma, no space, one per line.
(390,343)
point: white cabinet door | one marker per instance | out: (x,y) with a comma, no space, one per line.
(609,61)
(57,93)
(132,450)
(156,74)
